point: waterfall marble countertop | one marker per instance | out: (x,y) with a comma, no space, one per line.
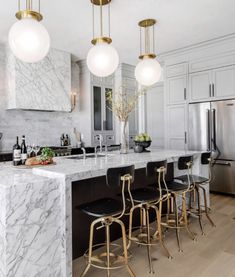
(36,210)
(79,169)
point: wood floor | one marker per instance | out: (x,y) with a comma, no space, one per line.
(212,255)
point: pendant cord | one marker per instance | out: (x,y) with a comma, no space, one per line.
(140,41)
(101,19)
(93,20)
(39,6)
(153,38)
(109,24)
(19,5)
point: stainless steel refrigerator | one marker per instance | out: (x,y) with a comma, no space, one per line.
(212,128)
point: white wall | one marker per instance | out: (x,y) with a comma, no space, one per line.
(44,128)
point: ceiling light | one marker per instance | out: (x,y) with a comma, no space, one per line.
(28,38)
(148,70)
(102,59)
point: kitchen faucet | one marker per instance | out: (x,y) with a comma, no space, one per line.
(84,152)
(100,141)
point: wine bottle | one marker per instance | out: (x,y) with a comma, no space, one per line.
(23,151)
(16,153)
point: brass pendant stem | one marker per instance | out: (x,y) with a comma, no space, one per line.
(148,45)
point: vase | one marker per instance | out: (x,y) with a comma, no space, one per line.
(124,136)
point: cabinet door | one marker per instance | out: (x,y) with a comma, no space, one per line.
(200,86)
(176,127)
(176,90)
(155,115)
(224,82)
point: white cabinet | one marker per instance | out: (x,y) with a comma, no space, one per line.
(224,82)
(200,86)
(102,116)
(212,85)
(176,89)
(155,115)
(176,127)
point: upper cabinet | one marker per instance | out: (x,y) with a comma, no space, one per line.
(212,78)
(44,86)
(176,84)
(200,86)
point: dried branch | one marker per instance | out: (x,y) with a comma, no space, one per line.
(123,103)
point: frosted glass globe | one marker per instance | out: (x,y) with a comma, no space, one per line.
(29,40)
(102,59)
(148,72)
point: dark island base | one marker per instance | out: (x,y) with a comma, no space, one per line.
(92,189)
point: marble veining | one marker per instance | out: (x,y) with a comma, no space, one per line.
(31,225)
(36,212)
(45,85)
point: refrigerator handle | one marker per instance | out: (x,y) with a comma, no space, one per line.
(210,90)
(214,130)
(208,131)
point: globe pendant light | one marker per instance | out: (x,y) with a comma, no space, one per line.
(148,70)
(28,38)
(102,59)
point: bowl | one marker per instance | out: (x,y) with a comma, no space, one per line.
(144,144)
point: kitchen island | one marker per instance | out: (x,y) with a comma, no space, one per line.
(36,209)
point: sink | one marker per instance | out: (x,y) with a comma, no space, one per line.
(80,157)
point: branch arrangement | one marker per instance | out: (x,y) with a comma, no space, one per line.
(123,103)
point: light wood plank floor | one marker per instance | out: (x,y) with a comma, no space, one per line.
(212,255)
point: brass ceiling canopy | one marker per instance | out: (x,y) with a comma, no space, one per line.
(101,39)
(147,45)
(100,2)
(147,23)
(28,12)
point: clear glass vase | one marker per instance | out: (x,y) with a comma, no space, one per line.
(124,136)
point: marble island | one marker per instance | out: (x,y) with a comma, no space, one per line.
(36,209)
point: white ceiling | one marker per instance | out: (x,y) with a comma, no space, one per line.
(181,23)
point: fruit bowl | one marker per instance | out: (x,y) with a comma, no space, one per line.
(144,144)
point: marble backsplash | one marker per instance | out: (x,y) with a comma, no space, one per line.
(43,128)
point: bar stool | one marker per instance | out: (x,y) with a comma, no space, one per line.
(144,199)
(109,211)
(200,184)
(177,192)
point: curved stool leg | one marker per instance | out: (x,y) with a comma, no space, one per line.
(177,223)
(90,249)
(107,229)
(199,208)
(151,271)
(186,218)
(159,229)
(206,207)
(132,274)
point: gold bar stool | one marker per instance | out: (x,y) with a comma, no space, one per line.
(109,211)
(200,185)
(144,199)
(178,191)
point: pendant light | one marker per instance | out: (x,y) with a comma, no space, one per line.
(148,70)
(102,59)
(28,38)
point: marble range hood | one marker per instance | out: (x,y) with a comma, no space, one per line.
(43,86)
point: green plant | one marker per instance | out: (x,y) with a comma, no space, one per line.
(46,154)
(143,137)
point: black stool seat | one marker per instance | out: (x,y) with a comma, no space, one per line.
(175,186)
(145,195)
(102,207)
(193,178)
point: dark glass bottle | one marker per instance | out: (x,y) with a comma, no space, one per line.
(16,153)
(23,151)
